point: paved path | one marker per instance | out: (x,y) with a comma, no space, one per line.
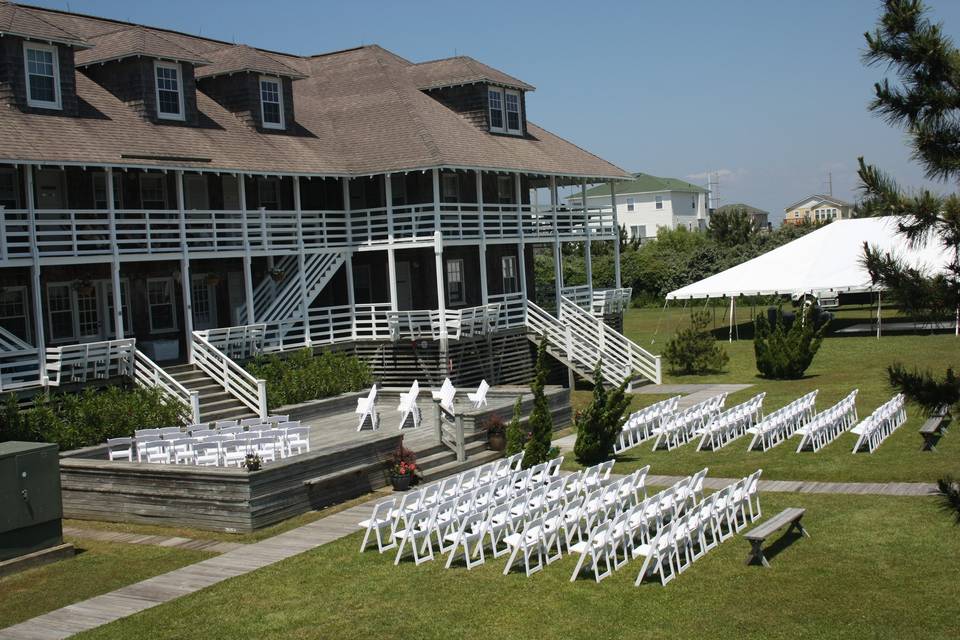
(176,542)
(134,598)
(809,486)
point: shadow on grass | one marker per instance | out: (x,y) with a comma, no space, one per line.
(780,545)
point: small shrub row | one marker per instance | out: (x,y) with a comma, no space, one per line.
(303,376)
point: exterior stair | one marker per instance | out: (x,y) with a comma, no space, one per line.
(274,301)
(215,403)
(439,461)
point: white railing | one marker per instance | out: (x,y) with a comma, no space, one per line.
(266,290)
(513,309)
(610,301)
(90,361)
(368,321)
(282,299)
(20,369)
(472,321)
(146,373)
(580,295)
(234,379)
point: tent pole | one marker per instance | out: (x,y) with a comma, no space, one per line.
(730,338)
(660,319)
(879,307)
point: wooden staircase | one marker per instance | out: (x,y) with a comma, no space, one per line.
(215,403)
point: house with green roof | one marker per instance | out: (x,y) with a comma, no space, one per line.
(648,203)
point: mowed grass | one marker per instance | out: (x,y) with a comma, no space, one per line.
(875,567)
(98,568)
(842,364)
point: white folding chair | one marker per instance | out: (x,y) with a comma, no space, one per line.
(120,449)
(410,414)
(379,521)
(417,529)
(206,454)
(527,541)
(470,532)
(367,410)
(479,398)
(597,548)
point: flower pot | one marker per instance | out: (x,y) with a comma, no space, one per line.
(400,483)
(497,441)
(278,276)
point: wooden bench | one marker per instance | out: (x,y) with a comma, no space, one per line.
(758,535)
(932,429)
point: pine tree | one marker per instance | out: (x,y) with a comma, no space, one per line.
(540,424)
(515,434)
(785,354)
(926,103)
(589,448)
(694,350)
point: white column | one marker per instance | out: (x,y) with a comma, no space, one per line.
(247,260)
(521,254)
(616,236)
(115,261)
(484,291)
(301,261)
(436,199)
(185,279)
(348,264)
(557,260)
(588,259)
(391,252)
(39,339)
(441,296)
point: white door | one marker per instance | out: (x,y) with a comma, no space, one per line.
(51,193)
(404,286)
(204,299)
(195,192)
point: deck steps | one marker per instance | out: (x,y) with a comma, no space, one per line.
(215,403)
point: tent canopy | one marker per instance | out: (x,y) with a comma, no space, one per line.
(825,260)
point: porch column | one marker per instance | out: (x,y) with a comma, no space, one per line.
(115,261)
(39,339)
(302,262)
(484,292)
(588,259)
(616,235)
(348,263)
(186,284)
(391,252)
(557,259)
(436,199)
(247,260)
(521,254)
(441,297)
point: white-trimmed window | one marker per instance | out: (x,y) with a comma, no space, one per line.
(659,201)
(495,106)
(271,102)
(508,265)
(511,99)
(60,312)
(100,192)
(169,87)
(13,311)
(693,202)
(163,315)
(638,232)
(450,187)
(43,75)
(9,189)
(505,189)
(153,191)
(631,205)
(455,290)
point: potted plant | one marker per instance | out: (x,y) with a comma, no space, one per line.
(252,462)
(496,432)
(403,468)
(277,274)
(84,287)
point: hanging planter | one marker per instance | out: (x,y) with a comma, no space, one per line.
(278,275)
(84,287)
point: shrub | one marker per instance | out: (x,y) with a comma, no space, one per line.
(516,438)
(599,424)
(784,354)
(694,350)
(540,424)
(74,420)
(949,489)
(303,376)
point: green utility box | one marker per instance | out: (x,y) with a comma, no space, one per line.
(31,510)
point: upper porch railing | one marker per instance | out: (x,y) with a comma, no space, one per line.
(91,232)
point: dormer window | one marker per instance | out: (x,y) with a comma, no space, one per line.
(271,102)
(504,108)
(43,75)
(169,90)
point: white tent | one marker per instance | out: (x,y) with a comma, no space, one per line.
(823,261)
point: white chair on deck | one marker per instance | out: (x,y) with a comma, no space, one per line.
(367,410)
(409,411)
(479,398)
(120,449)
(446,395)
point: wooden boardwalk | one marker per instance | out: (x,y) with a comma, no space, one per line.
(174,542)
(809,486)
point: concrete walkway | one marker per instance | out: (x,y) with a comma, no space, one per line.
(809,486)
(174,542)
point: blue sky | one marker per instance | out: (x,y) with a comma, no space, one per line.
(771,95)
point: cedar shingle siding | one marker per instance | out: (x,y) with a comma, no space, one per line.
(470,101)
(133,82)
(240,94)
(13,79)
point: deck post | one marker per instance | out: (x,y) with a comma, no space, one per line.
(484,290)
(185,280)
(301,262)
(436,199)
(521,254)
(441,297)
(391,252)
(247,267)
(348,263)
(616,236)
(587,257)
(35,277)
(557,259)
(115,260)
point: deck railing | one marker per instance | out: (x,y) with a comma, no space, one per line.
(513,309)
(610,301)
(19,363)
(147,373)
(234,379)
(580,295)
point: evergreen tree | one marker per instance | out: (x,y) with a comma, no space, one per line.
(694,350)
(589,447)
(540,424)
(515,434)
(729,228)
(926,103)
(784,354)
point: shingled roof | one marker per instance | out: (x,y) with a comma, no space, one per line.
(240,58)
(129,42)
(25,23)
(358,112)
(461,70)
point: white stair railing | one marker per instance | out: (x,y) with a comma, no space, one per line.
(19,362)
(234,379)
(90,361)
(319,268)
(147,373)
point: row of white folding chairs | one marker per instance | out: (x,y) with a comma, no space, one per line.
(125,448)
(640,425)
(885,419)
(227,450)
(683,426)
(781,424)
(827,425)
(247,423)
(732,423)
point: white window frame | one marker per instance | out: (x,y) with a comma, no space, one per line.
(57,102)
(510,277)
(117,191)
(25,303)
(506,112)
(658,202)
(71,296)
(163,188)
(462,297)
(160,64)
(631,204)
(503,111)
(172,303)
(263,120)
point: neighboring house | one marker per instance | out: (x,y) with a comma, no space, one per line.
(817,208)
(760,218)
(648,203)
(213,200)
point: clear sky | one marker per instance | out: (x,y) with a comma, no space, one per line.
(772,95)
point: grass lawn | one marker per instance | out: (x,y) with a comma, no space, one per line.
(873,568)
(99,567)
(842,364)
